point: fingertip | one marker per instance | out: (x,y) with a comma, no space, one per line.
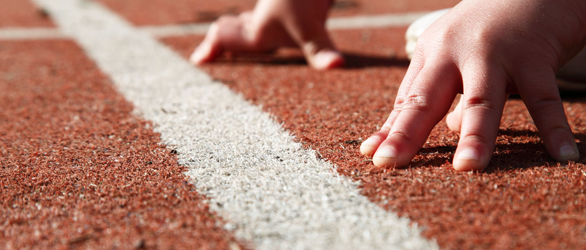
(561,144)
(467,165)
(209,48)
(205,52)
(568,152)
(385,157)
(468,159)
(327,59)
(454,118)
(199,55)
(369,146)
(454,121)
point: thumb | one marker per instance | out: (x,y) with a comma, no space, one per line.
(321,54)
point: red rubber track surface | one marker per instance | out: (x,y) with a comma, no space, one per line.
(78,170)
(22,13)
(159,12)
(524,200)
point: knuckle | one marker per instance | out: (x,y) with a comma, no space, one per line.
(546,102)
(438,37)
(479,102)
(561,127)
(401,135)
(389,122)
(554,125)
(385,128)
(398,105)
(483,38)
(418,52)
(478,138)
(445,36)
(414,102)
(548,112)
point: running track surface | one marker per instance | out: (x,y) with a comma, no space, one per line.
(81,170)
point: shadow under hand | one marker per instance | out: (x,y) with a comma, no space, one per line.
(354,61)
(573,96)
(523,149)
(566,95)
(433,156)
(295,57)
(515,149)
(280,57)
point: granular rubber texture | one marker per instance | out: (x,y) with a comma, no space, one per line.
(524,200)
(79,170)
(22,14)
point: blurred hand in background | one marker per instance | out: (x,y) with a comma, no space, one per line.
(271,25)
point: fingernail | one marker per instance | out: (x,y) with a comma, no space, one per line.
(197,56)
(385,156)
(568,151)
(367,147)
(469,154)
(327,59)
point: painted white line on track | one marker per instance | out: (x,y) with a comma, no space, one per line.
(273,192)
(30,34)
(335,23)
(177,30)
(374,21)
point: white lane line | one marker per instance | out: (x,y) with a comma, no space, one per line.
(273,192)
(335,23)
(30,34)
(374,21)
(177,30)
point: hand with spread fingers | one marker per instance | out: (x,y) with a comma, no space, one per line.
(485,49)
(271,25)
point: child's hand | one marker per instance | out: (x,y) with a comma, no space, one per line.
(274,24)
(485,49)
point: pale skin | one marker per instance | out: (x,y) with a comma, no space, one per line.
(271,25)
(484,49)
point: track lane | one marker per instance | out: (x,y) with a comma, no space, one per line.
(518,139)
(79,170)
(275,193)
